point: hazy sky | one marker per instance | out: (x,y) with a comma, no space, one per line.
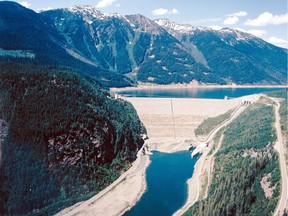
(266,19)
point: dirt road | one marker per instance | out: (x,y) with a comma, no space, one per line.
(279,146)
(194,183)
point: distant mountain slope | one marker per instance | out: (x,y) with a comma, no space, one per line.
(23,30)
(131,45)
(127,50)
(67,139)
(233,55)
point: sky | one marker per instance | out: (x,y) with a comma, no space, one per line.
(267,19)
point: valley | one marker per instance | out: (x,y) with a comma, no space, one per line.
(111,114)
(176,136)
(127,50)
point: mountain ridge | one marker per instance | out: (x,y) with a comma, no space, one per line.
(238,46)
(122,50)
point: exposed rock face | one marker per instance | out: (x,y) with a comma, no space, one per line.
(67,138)
(64,149)
(3,133)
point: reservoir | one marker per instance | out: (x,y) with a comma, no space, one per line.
(166,179)
(211,93)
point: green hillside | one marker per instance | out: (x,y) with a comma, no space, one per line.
(245,157)
(67,139)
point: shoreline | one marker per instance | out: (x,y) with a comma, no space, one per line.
(195,86)
(194,183)
(143,189)
(126,191)
(118,197)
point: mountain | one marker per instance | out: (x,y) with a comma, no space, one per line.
(131,45)
(63,139)
(127,50)
(30,38)
(235,56)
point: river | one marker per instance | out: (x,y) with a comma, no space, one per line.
(166,184)
(167,174)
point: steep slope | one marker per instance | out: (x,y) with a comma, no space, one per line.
(99,38)
(128,50)
(24,31)
(234,55)
(166,60)
(246,158)
(67,139)
(131,45)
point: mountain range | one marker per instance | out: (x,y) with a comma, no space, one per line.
(63,138)
(127,50)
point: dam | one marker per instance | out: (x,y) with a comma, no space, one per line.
(176,118)
(170,124)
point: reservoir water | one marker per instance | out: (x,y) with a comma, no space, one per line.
(166,179)
(167,174)
(212,93)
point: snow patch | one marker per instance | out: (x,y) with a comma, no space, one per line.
(91,13)
(164,68)
(182,28)
(234,60)
(150,78)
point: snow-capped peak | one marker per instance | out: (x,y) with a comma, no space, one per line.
(227,35)
(84,9)
(90,13)
(142,23)
(182,28)
(238,35)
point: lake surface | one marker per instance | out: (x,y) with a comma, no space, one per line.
(212,93)
(166,179)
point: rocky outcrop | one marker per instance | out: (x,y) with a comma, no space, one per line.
(3,134)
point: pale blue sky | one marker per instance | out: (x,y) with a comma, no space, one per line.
(266,19)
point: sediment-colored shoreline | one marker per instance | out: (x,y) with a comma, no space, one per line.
(118,197)
(170,124)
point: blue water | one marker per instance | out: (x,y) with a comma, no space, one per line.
(166,179)
(212,93)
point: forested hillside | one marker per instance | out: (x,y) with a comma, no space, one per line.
(245,160)
(283,95)
(67,139)
(27,37)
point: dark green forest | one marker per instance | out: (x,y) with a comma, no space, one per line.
(283,115)
(245,157)
(210,123)
(67,139)
(283,94)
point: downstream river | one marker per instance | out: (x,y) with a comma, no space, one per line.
(167,174)
(212,93)
(166,179)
